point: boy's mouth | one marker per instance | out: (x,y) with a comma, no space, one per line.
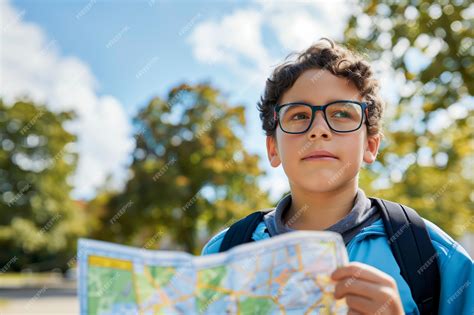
(319,155)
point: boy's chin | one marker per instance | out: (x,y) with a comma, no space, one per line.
(320,185)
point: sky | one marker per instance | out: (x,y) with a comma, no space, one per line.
(107,59)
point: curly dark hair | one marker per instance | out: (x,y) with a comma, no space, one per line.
(327,55)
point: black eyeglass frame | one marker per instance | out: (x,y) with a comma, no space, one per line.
(314,108)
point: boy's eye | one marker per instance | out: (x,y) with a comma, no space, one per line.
(341,114)
(300,116)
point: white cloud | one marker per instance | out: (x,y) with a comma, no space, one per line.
(298,24)
(233,39)
(31,65)
(236,38)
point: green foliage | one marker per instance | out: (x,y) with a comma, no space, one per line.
(427,165)
(190,174)
(39,223)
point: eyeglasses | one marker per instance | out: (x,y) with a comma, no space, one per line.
(341,116)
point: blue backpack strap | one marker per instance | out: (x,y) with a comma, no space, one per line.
(412,248)
(241,231)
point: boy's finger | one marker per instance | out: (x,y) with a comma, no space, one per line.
(360,304)
(361,288)
(358,270)
(357,287)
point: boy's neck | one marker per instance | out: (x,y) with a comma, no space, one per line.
(311,210)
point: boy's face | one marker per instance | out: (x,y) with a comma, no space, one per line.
(319,87)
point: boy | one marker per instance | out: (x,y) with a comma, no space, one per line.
(322,150)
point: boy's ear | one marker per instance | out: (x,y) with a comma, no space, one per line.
(372,148)
(272,151)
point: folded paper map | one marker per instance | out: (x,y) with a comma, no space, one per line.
(287,274)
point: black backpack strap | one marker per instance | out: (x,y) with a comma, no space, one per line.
(241,231)
(412,248)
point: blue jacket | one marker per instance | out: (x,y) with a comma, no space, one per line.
(370,246)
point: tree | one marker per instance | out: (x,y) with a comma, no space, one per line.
(39,223)
(190,173)
(426,161)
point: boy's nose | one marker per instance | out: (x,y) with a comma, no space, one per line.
(319,128)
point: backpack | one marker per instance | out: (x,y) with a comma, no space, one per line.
(409,241)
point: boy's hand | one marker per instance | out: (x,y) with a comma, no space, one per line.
(367,290)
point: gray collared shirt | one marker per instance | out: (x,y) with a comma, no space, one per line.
(363,213)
